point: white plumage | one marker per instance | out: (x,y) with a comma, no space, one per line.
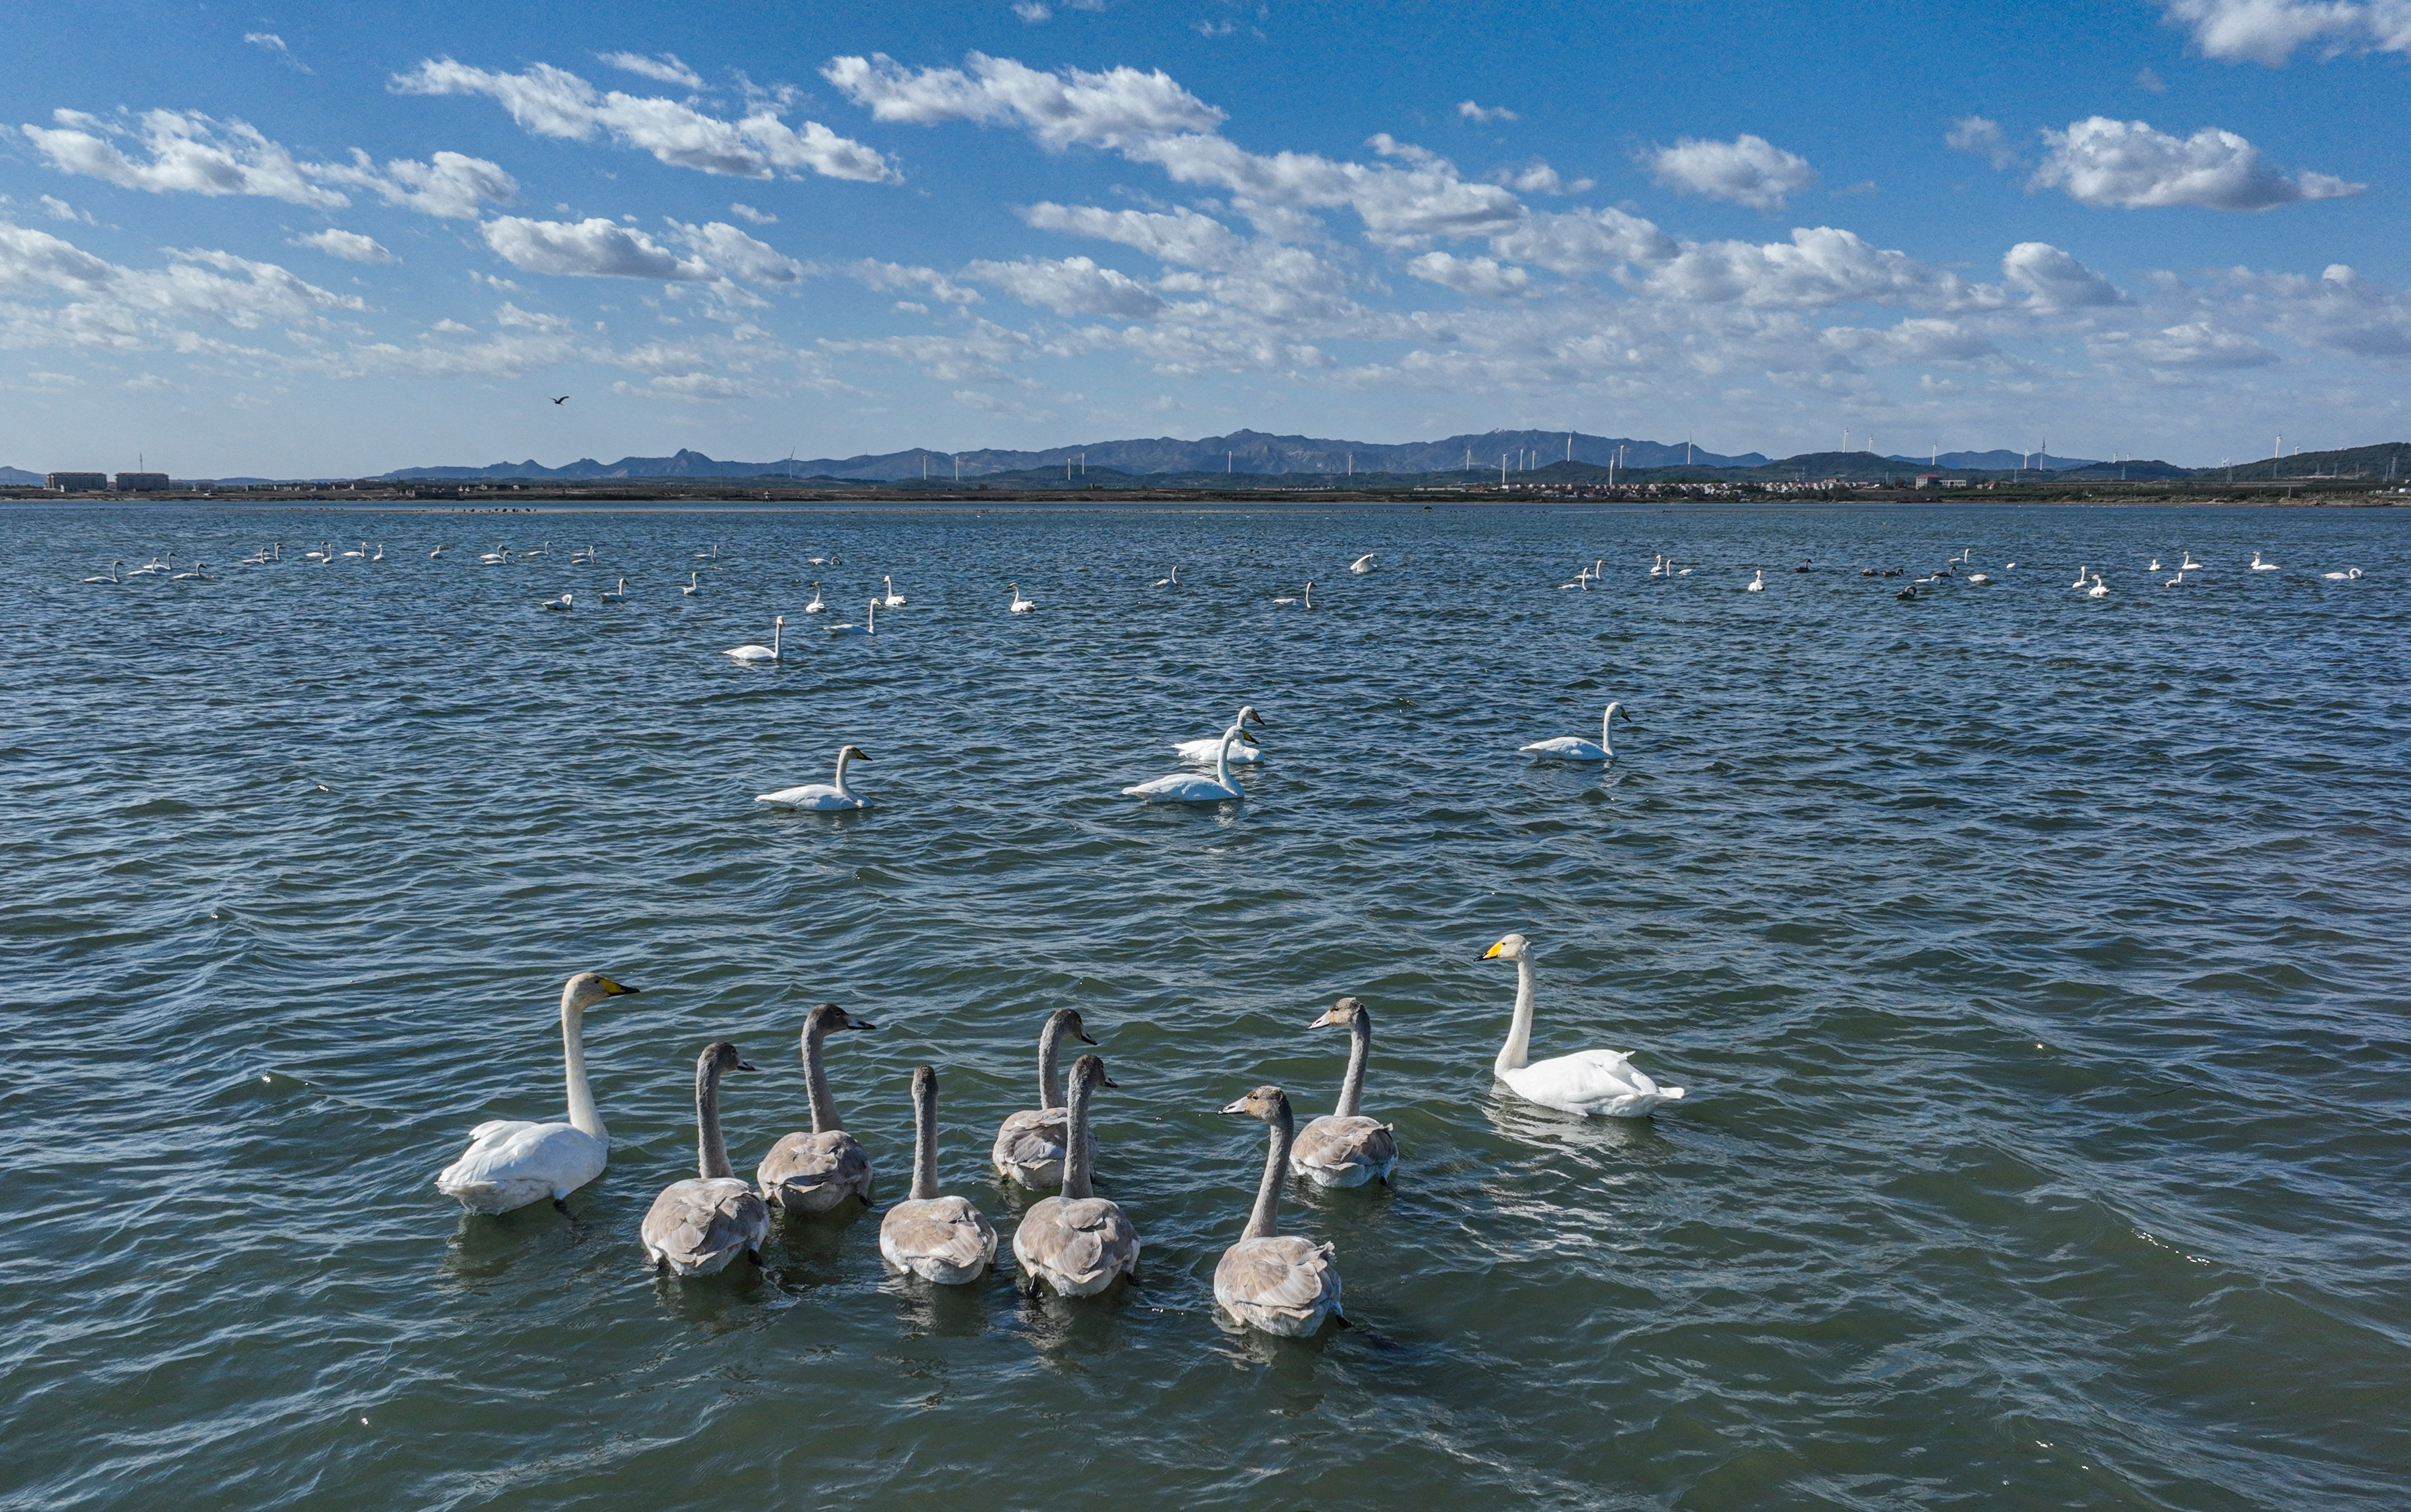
(1593,1082)
(511,1163)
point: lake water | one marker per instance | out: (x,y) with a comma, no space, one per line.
(2034,965)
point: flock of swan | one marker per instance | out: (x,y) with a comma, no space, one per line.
(1073,1244)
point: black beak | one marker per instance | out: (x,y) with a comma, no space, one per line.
(744,1065)
(1108,1082)
(853,1022)
(1086,1038)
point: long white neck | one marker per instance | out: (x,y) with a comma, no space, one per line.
(1360,1049)
(582,1117)
(1076,1143)
(1517,1052)
(775,631)
(1607,729)
(1262,1222)
(1223,759)
(842,757)
(870,619)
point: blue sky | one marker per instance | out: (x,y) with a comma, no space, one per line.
(335,238)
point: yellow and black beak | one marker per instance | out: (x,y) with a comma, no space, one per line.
(1248,739)
(1255,718)
(613,989)
(1492,953)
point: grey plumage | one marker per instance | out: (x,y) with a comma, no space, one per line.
(940,1239)
(1077,1242)
(1029,1149)
(1280,1284)
(1343,1148)
(812,1172)
(696,1226)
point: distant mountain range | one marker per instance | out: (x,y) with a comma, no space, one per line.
(1999,461)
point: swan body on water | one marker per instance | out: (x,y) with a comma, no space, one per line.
(757,652)
(511,1162)
(815,1172)
(1573,748)
(893,600)
(111,575)
(1208,750)
(1757,583)
(693,585)
(696,1227)
(2190,565)
(2083,574)
(1077,1243)
(2350,574)
(1191,787)
(2155,566)
(869,625)
(1361,565)
(1029,1144)
(1280,1283)
(564,602)
(1593,1082)
(1978,577)
(437,552)
(940,1239)
(821,797)
(2099,589)
(617,595)
(2178,581)
(1307,602)
(816,607)
(2259,566)
(1343,1147)
(1019,604)
(1172,581)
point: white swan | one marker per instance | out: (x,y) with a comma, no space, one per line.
(893,599)
(2178,581)
(2155,566)
(1571,749)
(1757,583)
(437,552)
(1343,1147)
(1979,578)
(2190,565)
(815,1172)
(693,585)
(1077,1242)
(759,653)
(2099,589)
(1208,751)
(564,602)
(816,607)
(2350,574)
(869,625)
(380,552)
(1189,786)
(511,1163)
(1594,1083)
(821,797)
(499,556)
(696,1227)
(2082,573)
(1029,1149)
(2259,566)
(1307,601)
(111,575)
(1361,565)
(1280,1283)
(1019,604)
(940,1239)
(618,595)
(362,552)
(199,574)
(1172,581)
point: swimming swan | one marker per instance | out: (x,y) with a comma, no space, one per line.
(1593,1082)
(1343,1147)
(1189,786)
(1019,604)
(1078,1242)
(1573,748)
(1028,1150)
(2259,566)
(816,607)
(821,797)
(697,1225)
(1205,752)
(893,600)
(1757,583)
(869,625)
(511,1163)
(814,1172)
(2099,589)
(1361,565)
(758,654)
(1280,1283)
(2350,574)
(940,1239)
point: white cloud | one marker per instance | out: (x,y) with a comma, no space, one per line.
(2055,280)
(1182,237)
(759,217)
(1033,11)
(1471,111)
(59,210)
(898,276)
(1538,178)
(1973,134)
(666,69)
(738,255)
(110,306)
(1485,277)
(592,248)
(270,43)
(1749,171)
(2128,164)
(1069,286)
(1818,265)
(1585,241)
(553,102)
(2194,346)
(187,152)
(2270,31)
(349,245)
(512,316)
(1111,110)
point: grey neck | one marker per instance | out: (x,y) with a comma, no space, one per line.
(1360,1049)
(1263,1223)
(1050,1041)
(825,1120)
(925,1142)
(711,1150)
(1076,1143)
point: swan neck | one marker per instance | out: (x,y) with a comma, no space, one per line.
(842,757)
(1607,729)
(1360,1049)
(775,631)
(711,1150)
(925,1142)
(1517,1052)
(825,1120)
(1222,759)
(1264,1222)
(582,1115)
(1050,1041)
(1076,1173)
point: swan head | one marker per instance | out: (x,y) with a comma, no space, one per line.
(827,1018)
(1268,1103)
(1339,1015)
(856,753)
(1067,1020)
(1247,715)
(1513,947)
(720,1060)
(780,619)
(1090,1071)
(588,988)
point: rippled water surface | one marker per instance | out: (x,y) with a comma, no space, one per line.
(2034,965)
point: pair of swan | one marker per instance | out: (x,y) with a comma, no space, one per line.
(1592,1083)
(1029,1144)
(693,585)
(821,797)
(756,652)
(1191,787)
(1571,749)
(511,1163)
(1076,1243)
(1206,751)
(1019,604)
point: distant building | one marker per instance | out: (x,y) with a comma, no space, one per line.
(141,482)
(76,482)
(1929,480)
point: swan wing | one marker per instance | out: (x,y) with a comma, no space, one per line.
(1078,1245)
(1344,1151)
(1284,1284)
(1204,752)
(1567,749)
(1596,1083)
(510,1163)
(938,1239)
(696,1226)
(814,1172)
(811,795)
(1029,1147)
(1180,787)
